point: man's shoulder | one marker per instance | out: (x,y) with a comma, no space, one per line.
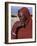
(17,22)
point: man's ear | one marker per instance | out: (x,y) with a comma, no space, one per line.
(30,15)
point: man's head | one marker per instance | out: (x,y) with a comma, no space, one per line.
(23,14)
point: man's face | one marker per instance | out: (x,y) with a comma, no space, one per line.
(22,17)
(23,14)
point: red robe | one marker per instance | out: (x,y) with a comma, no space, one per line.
(23,32)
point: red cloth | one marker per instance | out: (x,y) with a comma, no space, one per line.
(22,32)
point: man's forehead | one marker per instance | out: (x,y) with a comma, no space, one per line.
(22,14)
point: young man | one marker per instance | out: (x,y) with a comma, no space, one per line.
(22,29)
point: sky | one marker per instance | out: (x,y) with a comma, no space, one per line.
(14,10)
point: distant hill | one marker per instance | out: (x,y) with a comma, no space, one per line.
(13,16)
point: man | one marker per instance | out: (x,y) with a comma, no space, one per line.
(22,29)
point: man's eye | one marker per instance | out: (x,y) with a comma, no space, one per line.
(19,16)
